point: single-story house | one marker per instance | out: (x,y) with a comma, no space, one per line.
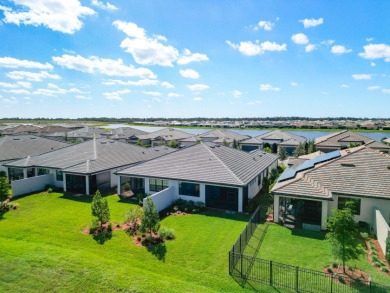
(342,139)
(124,134)
(21,129)
(84,167)
(163,136)
(79,135)
(190,141)
(221,135)
(14,147)
(305,194)
(279,138)
(220,176)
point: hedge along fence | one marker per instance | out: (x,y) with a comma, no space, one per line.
(287,276)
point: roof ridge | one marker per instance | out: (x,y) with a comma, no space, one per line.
(234,175)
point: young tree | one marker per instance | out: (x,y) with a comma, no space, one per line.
(300,150)
(311,147)
(267,149)
(4,191)
(173,144)
(282,154)
(100,209)
(274,172)
(133,214)
(235,144)
(225,143)
(151,220)
(342,236)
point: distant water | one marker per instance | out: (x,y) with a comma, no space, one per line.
(308,134)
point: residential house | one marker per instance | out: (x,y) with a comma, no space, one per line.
(273,139)
(124,134)
(222,135)
(78,135)
(14,147)
(163,136)
(84,167)
(220,176)
(305,194)
(343,139)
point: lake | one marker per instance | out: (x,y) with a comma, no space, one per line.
(251,132)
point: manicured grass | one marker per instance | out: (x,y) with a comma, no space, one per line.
(307,249)
(43,249)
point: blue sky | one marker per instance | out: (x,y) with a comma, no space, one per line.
(194,58)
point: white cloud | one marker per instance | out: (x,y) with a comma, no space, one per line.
(340,50)
(157,100)
(188,57)
(374,87)
(327,42)
(24,84)
(324,93)
(155,94)
(311,22)
(268,87)
(10,62)
(109,67)
(58,15)
(310,48)
(167,85)
(237,94)
(145,50)
(189,73)
(372,64)
(254,102)
(198,99)
(257,48)
(27,98)
(369,39)
(32,76)
(8,85)
(141,82)
(116,95)
(174,95)
(386,91)
(18,91)
(293,84)
(300,39)
(74,90)
(83,97)
(11,100)
(376,51)
(361,76)
(101,5)
(345,85)
(266,25)
(198,87)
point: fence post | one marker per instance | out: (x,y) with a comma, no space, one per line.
(240,244)
(270,272)
(241,264)
(370,286)
(331,283)
(296,279)
(230,263)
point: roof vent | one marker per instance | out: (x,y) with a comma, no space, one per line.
(16,138)
(103,142)
(111,141)
(347,165)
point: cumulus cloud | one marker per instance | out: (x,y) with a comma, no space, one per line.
(300,39)
(10,62)
(189,73)
(369,39)
(24,84)
(345,85)
(268,87)
(32,76)
(101,5)
(8,85)
(18,91)
(340,50)
(141,82)
(116,95)
(266,25)
(376,51)
(361,76)
(167,85)
(11,100)
(386,91)
(310,48)
(83,97)
(174,95)
(198,99)
(109,67)
(58,15)
(237,94)
(372,64)
(293,84)
(198,87)
(374,87)
(155,94)
(257,48)
(188,57)
(312,22)
(327,42)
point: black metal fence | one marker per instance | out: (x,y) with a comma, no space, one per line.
(286,276)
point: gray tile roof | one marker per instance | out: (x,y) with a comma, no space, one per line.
(220,134)
(102,154)
(14,147)
(86,133)
(21,129)
(287,138)
(124,133)
(360,171)
(166,134)
(205,162)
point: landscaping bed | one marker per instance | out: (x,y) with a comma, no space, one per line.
(376,257)
(351,276)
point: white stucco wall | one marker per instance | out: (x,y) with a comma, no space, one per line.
(163,199)
(55,181)
(382,230)
(31,184)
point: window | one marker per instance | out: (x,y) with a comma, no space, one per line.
(190,189)
(59,176)
(158,184)
(259,179)
(43,171)
(356,204)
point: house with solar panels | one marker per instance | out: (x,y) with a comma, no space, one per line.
(219,176)
(273,139)
(307,191)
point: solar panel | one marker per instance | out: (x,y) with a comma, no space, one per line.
(290,173)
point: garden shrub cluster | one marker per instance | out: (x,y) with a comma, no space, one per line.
(52,188)
(186,206)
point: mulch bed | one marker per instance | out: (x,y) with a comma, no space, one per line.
(350,275)
(105,229)
(380,253)
(156,237)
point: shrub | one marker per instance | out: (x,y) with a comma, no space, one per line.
(109,227)
(388,249)
(140,198)
(50,190)
(377,264)
(166,233)
(143,234)
(132,216)
(384,269)
(364,226)
(12,206)
(330,271)
(126,186)
(149,239)
(94,226)
(374,252)
(341,279)
(364,235)
(334,265)
(374,258)
(139,238)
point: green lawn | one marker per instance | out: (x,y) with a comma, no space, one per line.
(42,249)
(306,249)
